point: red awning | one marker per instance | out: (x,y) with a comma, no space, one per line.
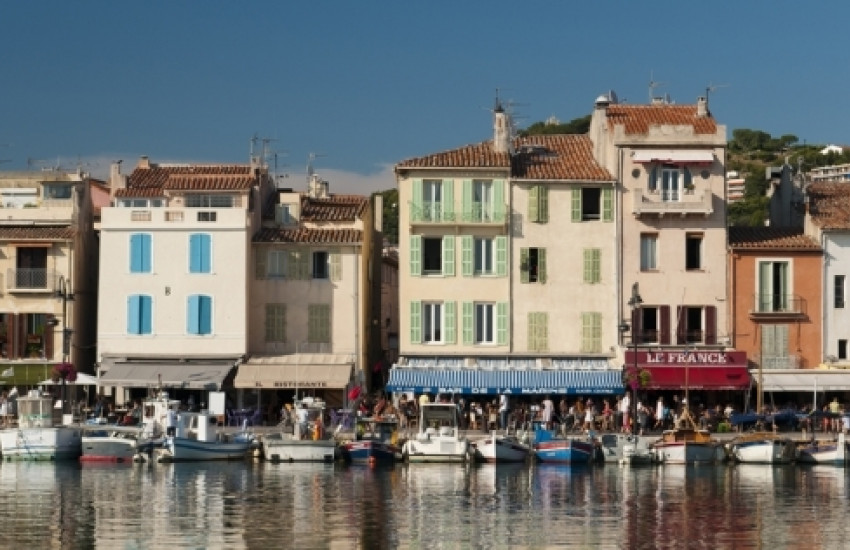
(698,378)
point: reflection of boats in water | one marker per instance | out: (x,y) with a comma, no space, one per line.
(824,452)
(763,448)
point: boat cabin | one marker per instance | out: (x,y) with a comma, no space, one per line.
(35,410)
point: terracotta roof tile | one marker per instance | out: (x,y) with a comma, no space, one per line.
(334,208)
(308,236)
(557,157)
(149,182)
(478,155)
(36,232)
(638,118)
(771,238)
(829,205)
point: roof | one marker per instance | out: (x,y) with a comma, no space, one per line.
(829,204)
(36,233)
(308,236)
(539,157)
(771,238)
(333,208)
(637,119)
(152,181)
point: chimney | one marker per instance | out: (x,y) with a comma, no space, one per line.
(144,162)
(501,130)
(702,106)
(317,188)
(117,180)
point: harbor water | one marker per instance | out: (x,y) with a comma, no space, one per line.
(304,506)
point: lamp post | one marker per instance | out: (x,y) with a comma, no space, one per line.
(635,302)
(63,292)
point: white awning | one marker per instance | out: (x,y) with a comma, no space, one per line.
(299,371)
(206,375)
(803,380)
(674,156)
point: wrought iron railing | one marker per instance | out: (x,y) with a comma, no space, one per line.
(778,303)
(28,279)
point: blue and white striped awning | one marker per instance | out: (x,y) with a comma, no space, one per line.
(517,382)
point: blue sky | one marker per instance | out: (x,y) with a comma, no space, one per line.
(367,84)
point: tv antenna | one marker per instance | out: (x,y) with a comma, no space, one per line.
(652,85)
(711,88)
(310,158)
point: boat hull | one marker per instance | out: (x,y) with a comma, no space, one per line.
(287,449)
(369,452)
(764,451)
(436,449)
(688,452)
(178,449)
(59,443)
(564,451)
(499,449)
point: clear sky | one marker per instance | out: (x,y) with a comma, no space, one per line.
(364,84)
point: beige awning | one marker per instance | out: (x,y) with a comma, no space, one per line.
(674,156)
(205,375)
(304,371)
(803,380)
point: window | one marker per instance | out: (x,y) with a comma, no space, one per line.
(139,314)
(774,347)
(538,203)
(139,203)
(693,251)
(283,214)
(485,324)
(482,200)
(592,203)
(842,349)
(538,331)
(532,265)
(276,264)
(592,270)
(57,190)
(670,181)
(208,201)
(199,253)
(140,253)
(320,265)
(31,267)
(670,184)
(483,256)
(199,316)
(432,255)
(275,322)
(648,252)
(838,300)
(432,200)
(319,323)
(649,329)
(774,285)
(432,322)
(591,332)
(696,325)
(207,216)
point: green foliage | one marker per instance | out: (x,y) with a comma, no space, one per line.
(749,212)
(390,214)
(575,126)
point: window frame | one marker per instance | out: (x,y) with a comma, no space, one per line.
(200,253)
(432,246)
(694,251)
(483,249)
(649,251)
(433,321)
(839,288)
(320,265)
(484,323)
(275,323)
(199,316)
(139,314)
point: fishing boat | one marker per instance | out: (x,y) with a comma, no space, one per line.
(313,444)
(564,450)
(35,437)
(105,443)
(824,452)
(375,441)
(439,438)
(762,448)
(197,438)
(501,448)
(627,449)
(687,444)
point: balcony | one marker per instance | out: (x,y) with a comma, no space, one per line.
(780,362)
(483,214)
(438,213)
(687,203)
(777,307)
(431,212)
(30,280)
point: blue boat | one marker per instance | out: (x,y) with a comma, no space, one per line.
(375,442)
(548,448)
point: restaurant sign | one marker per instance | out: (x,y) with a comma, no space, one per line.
(690,357)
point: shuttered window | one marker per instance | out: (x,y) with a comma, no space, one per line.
(275,323)
(538,331)
(140,253)
(591,332)
(592,258)
(319,323)
(200,253)
(139,314)
(199,315)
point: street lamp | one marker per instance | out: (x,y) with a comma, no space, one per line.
(635,302)
(63,292)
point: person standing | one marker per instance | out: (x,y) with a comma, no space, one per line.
(504,409)
(548,412)
(626,413)
(659,413)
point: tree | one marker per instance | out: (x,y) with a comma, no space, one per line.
(575,126)
(390,215)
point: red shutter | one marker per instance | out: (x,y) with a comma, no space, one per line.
(10,336)
(21,340)
(637,331)
(710,325)
(681,326)
(48,338)
(664,323)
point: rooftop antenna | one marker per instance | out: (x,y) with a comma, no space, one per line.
(652,85)
(310,158)
(712,87)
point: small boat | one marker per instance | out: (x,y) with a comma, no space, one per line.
(35,437)
(501,448)
(565,450)
(439,438)
(103,443)
(687,444)
(627,449)
(763,448)
(290,445)
(375,441)
(197,438)
(824,452)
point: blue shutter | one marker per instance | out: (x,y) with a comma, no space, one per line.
(145,323)
(205,315)
(192,315)
(199,253)
(140,253)
(133,315)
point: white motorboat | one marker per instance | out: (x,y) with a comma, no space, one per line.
(197,438)
(824,452)
(313,444)
(628,449)
(35,437)
(687,444)
(438,438)
(763,448)
(500,448)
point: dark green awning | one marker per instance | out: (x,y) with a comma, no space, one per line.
(29,374)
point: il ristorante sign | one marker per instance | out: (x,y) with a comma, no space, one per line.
(680,358)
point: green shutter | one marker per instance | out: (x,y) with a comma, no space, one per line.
(502,323)
(449,256)
(591,332)
(542,332)
(585,332)
(467,258)
(607,204)
(532,332)
(304,265)
(543,205)
(523,265)
(260,262)
(416,203)
(466,202)
(591,265)
(576,204)
(541,265)
(336,266)
(534,203)
(415,322)
(587,276)
(291,265)
(450,325)
(688,181)
(499,200)
(448,201)
(468,323)
(415,255)
(653,179)
(501,256)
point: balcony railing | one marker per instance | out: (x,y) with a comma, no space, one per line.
(783,362)
(430,212)
(778,304)
(24,279)
(689,202)
(483,213)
